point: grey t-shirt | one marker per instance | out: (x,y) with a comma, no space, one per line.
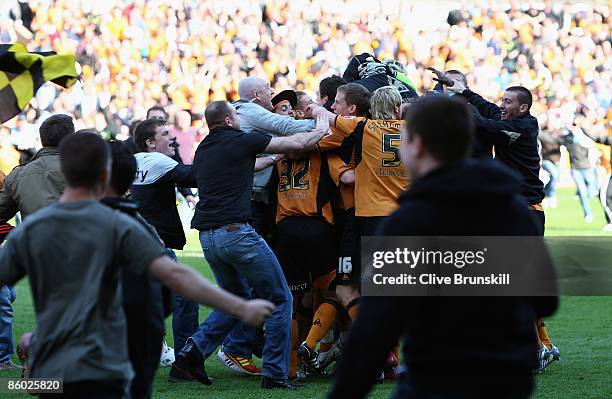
(72,253)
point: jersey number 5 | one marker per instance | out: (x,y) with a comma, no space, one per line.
(390,145)
(292,175)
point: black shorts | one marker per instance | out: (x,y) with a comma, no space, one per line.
(306,251)
(347,272)
(350,273)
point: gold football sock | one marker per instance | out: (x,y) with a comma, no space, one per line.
(321,323)
(543,334)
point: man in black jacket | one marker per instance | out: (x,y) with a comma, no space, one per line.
(154,190)
(448,351)
(513,131)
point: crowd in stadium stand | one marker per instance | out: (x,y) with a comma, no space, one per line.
(178,59)
(183,54)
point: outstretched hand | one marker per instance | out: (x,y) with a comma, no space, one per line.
(255,312)
(441,77)
(322,126)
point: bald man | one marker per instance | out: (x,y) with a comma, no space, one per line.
(255,112)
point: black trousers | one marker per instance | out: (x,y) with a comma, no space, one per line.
(144,350)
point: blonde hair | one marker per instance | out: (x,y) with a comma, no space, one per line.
(383,102)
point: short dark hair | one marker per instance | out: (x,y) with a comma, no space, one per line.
(144,131)
(83,158)
(124,167)
(54,129)
(444,124)
(157,108)
(523,95)
(216,112)
(329,86)
(357,95)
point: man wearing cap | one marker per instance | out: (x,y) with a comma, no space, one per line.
(284,102)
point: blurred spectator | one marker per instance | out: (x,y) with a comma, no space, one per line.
(551,155)
(582,152)
(185,136)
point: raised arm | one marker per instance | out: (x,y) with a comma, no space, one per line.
(279,125)
(485,108)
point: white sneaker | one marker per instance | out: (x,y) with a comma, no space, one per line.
(552,202)
(588,219)
(608,227)
(167,356)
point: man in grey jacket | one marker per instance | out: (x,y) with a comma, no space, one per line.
(255,112)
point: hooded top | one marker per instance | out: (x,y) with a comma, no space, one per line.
(448,345)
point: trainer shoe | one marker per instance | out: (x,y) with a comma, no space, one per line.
(167,356)
(271,383)
(554,351)
(544,359)
(308,356)
(189,364)
(328,357)
(238,364)
(391,368)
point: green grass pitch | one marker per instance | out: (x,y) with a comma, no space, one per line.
(582,329)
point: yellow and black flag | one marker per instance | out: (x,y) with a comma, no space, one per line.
(22,73)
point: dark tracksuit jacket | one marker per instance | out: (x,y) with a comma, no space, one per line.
(515,142)
(459,347)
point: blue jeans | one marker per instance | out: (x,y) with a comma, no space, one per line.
(240,260)
(586,183)
(550,189)
(184,316)
(7,297)
(240,339)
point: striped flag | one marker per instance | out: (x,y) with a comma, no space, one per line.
(22,73)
